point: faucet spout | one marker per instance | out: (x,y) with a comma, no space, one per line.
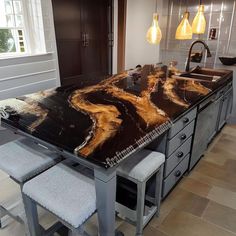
(208,52)
(190,52)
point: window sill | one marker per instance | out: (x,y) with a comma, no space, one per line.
(22,56)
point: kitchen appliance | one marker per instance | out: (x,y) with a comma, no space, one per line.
(206,126)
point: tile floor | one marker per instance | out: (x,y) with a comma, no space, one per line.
(203,203)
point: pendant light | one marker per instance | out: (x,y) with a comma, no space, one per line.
(154,34)
(199,21)
(184,30)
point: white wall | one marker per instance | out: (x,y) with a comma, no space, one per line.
(22,75)
(139,19)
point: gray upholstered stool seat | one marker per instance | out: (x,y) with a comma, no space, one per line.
(144,164)
(65,192)
(140,169)
(23,159)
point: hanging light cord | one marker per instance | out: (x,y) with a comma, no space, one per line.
(156,6)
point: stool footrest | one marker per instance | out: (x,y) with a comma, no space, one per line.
(17,213)
(131,215)
(5,220)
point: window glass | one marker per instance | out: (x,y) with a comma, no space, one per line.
(12,27)
(21,27)
(7,41)
(17,7)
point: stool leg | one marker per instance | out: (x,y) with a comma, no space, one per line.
(159,179)
(74,233)
(78,232)
(106,195)
(2,214)
(32,216)
(141,186)
(27,231)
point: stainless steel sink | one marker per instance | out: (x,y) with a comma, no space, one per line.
(208,71)
(209,78)
(204,74)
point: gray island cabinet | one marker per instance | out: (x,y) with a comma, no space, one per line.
(187,140)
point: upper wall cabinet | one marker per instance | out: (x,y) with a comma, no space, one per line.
(84,39)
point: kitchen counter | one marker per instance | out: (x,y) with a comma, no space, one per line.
(106,122)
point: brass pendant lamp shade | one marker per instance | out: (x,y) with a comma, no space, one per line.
(199,21)
(154,34)
(184,30)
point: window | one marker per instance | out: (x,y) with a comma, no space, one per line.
(21,27)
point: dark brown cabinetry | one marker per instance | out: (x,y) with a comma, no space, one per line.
(84,39)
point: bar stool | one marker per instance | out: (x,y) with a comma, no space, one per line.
(144,166)
(7,136)
(22,160)
(66,193)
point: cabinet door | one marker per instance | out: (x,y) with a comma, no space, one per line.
(214,111)
(202,134)
(67,20)
(84,47)
(223,111)
(230,104)
(95,30)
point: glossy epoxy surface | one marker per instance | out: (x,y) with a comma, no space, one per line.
(108,121)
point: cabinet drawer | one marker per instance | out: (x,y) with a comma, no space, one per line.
(229,86)
(180,138)
(225,88)
(177,156)
(220,93)
(181,123)
(175,175)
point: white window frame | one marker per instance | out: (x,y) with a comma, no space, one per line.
(33,30)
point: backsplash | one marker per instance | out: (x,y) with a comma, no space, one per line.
(219,15)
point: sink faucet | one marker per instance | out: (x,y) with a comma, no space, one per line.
(190,52)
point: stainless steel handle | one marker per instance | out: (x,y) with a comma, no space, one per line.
(83,40)
(183,136)
(86,40)
(185,120)
(178,173)
(180,154)
(111,39)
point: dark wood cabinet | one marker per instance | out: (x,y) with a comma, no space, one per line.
(84,39)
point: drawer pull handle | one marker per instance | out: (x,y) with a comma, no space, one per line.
(186,120)
(178,173)
(183,137)
(180,154)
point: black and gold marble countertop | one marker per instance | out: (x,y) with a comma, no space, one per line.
(110,120)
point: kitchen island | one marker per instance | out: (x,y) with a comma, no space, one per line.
(103,124)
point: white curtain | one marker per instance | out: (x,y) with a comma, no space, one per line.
(34,24)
